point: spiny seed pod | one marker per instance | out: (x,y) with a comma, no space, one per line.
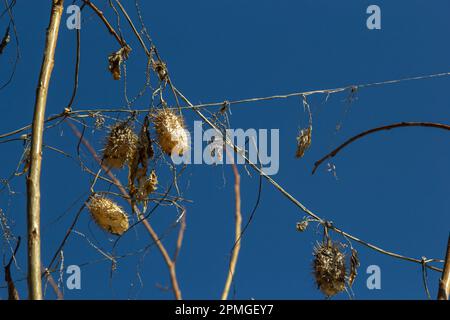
(120,147)
(172,136)
(108,215)
(329,268)
(303,141)
(147,186)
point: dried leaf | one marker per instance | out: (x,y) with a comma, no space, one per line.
(303,141)
(354,264)
(115,59)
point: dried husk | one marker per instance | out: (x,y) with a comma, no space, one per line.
(108,215)
(120,147)
(329,268)
(171,134)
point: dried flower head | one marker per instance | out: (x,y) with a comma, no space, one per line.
(329,268)
(108,215)
(172,136)
(115,59)
(303,141)
(121,145)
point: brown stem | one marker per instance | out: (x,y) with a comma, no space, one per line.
(444,282)
(147,52)
(33,180)
(102,17)
(388,127)
(237,233)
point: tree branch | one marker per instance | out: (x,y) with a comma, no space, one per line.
(33,181)
(444,282)
(237,232)
(388,127)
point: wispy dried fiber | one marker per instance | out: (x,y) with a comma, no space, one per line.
(172,136)
(329,268)
(121,146)
(108,215)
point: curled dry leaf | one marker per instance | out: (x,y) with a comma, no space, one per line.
(115,60)
(303,141)
(161,69)
(354,265)
(140,186)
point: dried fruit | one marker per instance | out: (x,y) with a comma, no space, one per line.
(303,141)
(121,146)
(329,268)
(108,215)
(172,136)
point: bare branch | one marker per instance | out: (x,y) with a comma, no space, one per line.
(33,181)
(444,282)
(388,127)
(237,233)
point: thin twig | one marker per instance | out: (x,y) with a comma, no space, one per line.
(237,233)
(102,17)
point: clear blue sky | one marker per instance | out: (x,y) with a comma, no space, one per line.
(392,188)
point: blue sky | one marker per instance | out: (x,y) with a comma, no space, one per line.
(392,188)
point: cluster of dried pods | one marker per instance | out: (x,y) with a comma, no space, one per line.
(126,148)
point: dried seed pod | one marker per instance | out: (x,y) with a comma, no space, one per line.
(108,215)
(121,145)
(161,69)
(115,59)
(354,265)
(329,268)
(303,141)
(172,136)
